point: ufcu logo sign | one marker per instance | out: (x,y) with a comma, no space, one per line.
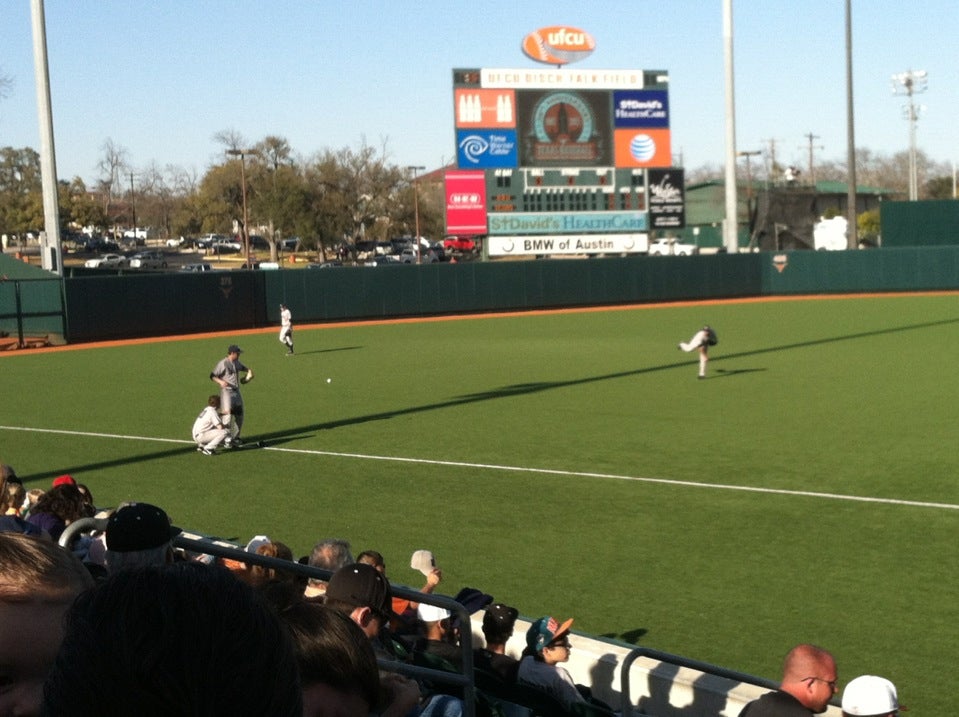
(558,45)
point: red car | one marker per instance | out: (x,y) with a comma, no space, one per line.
(457,243)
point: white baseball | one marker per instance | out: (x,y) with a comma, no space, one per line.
(329,380)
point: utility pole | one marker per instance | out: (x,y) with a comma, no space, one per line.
(749,173)
(416,209)
(771,172)
(910,83)
(851,191)
(812,170)
(241,153)
(133,209)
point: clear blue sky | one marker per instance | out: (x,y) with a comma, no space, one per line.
(161,78)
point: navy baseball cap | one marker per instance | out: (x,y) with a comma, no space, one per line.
(234,349)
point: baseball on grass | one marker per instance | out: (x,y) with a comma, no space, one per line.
(329,380)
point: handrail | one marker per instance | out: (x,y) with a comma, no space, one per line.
(699,666)
(218,548)
(197,543)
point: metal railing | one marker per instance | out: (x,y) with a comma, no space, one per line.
(202,545)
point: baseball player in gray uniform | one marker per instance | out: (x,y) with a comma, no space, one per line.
(227,374)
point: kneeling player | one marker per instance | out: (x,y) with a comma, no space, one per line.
(208,429)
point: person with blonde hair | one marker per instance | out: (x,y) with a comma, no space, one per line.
(38,582)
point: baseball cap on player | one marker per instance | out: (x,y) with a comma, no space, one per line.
(234,349)
(65,479)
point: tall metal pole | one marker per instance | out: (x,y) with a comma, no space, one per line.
(241,153)
(51,250)
(851,191)
(730,225)
(416,210)
(910,83)
(133,208)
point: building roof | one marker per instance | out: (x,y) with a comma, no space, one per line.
(13,268)
(820,187)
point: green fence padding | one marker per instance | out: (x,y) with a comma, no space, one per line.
(126,306)
(928,223)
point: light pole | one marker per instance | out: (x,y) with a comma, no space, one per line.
(416,209)
(909,83)
(133,209)
(241,153)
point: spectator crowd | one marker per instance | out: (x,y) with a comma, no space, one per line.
(120,622)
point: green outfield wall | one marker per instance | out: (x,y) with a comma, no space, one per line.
(95,308)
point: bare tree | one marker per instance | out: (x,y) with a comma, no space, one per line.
(230,138)
(112,166)
(6,85)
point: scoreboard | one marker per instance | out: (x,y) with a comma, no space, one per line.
(560,158)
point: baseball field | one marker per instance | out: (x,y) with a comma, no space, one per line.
(572,464)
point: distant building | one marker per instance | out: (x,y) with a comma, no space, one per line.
(771,217)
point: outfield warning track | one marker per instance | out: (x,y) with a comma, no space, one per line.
(516,469)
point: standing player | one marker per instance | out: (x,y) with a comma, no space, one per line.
(227,374)
(286,329)
(702,340)
(208,429)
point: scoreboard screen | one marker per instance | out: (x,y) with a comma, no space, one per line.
(560,158)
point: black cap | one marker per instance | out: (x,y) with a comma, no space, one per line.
(234,349)
(500,617)
(362,585)
(139,526)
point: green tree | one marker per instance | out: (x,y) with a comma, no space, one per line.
(867,225)
(78,207)
(21,198)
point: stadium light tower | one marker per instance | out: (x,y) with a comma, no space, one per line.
(911,83)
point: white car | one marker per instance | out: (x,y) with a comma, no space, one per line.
(148,260)
(671,246)
(106,261)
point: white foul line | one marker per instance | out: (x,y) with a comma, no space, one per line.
(521,469)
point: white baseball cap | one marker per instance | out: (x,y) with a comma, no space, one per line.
(870,695)
(431,613)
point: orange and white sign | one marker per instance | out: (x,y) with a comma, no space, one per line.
(485,108)
(558,45)
(642,148)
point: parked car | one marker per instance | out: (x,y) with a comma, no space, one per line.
(106,261)
(196,267)
(383,260)
(325,265)
(671,246)
(401,244)
(258,242)
(175,243)
(289,244)
(226,246)
(458,243)
(208,240)
(148,260)
(99,244)
(408,255)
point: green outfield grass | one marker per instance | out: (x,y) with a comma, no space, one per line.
(519,449)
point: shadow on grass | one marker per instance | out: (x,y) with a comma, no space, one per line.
(302,432)
(328,351)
